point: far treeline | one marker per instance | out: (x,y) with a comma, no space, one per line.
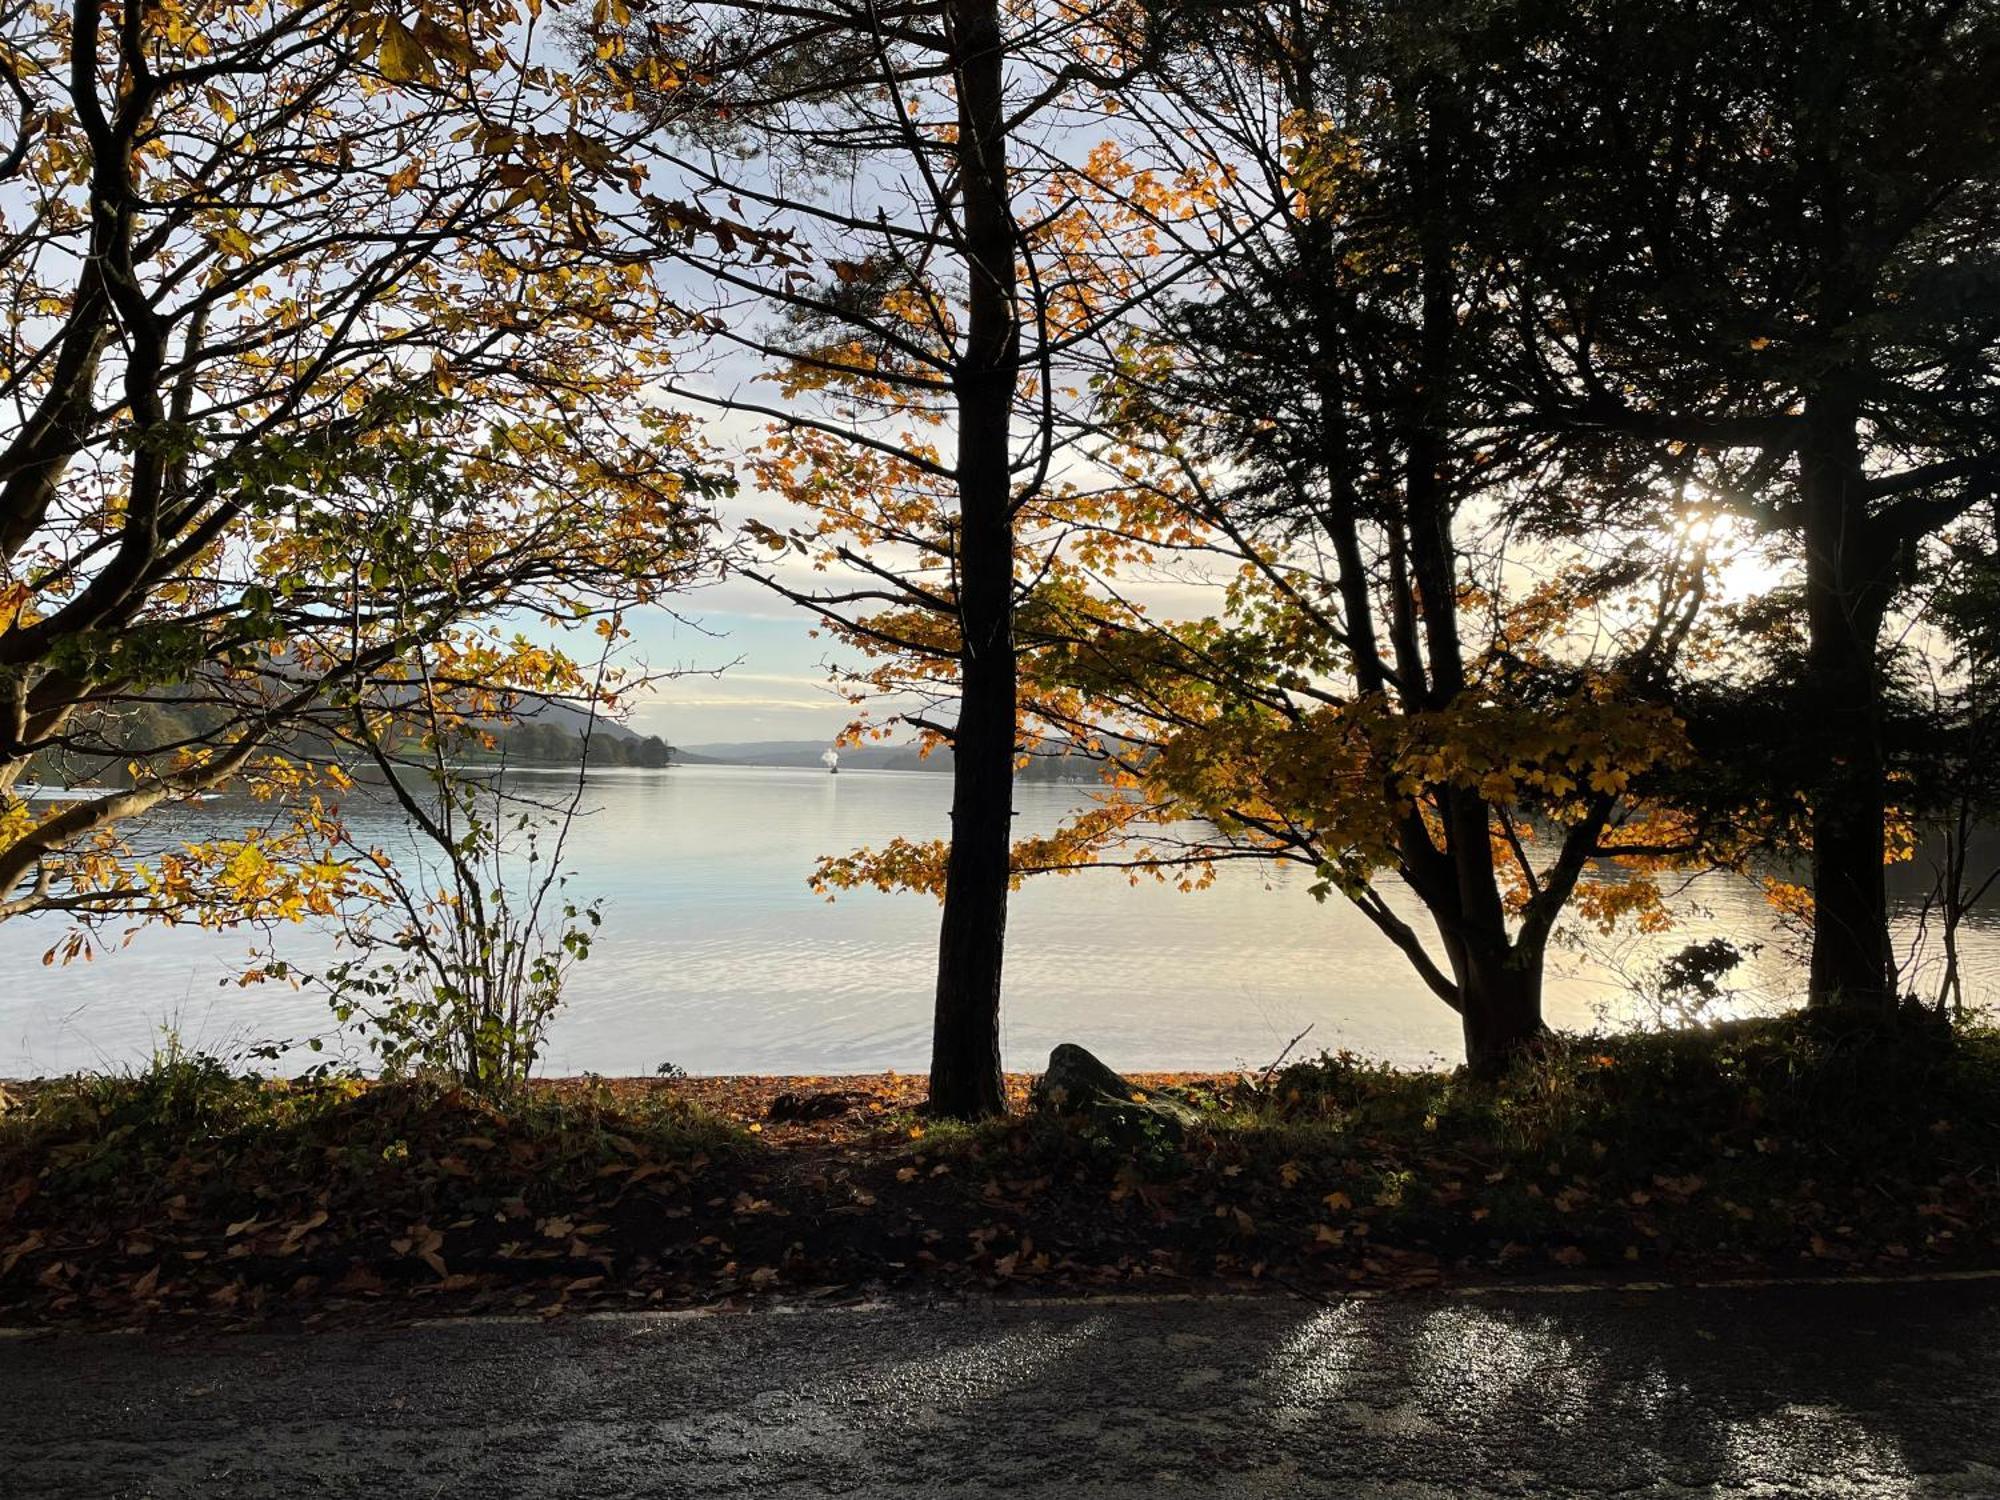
(514,741)
(1499,456)
(537,743)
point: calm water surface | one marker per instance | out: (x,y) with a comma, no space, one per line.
(715,956)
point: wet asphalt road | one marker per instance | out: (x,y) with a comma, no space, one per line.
(1853,1391)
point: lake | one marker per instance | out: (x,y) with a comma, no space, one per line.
(716,957)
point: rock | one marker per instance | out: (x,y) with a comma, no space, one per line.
(1076,1081)
(1083,1090)
(804,1108)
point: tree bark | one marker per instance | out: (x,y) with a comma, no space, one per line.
(965,1040)
(1848,584)
(1500,1006)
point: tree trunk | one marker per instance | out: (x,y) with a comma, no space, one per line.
(965,1034)
(965,1038)
(1500,1007)
(1848,583)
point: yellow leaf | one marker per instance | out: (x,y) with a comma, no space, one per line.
(401,56)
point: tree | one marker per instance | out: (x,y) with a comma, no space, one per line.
(1402,687)
(316,358)
(918,160)
(1964,787)
(1758,248)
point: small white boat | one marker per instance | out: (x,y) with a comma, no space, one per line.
(831,760)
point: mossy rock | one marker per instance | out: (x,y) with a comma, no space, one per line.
(1076,1081)
(1079,1086)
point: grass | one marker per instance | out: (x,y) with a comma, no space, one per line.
(182,1189)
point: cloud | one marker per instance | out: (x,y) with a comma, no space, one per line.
(677,705)
(774,679)
(737,688)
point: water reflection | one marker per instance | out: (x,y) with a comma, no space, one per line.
(716,956)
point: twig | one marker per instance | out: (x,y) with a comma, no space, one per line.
(1264,1078)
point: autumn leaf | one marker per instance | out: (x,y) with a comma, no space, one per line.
(401,56)
(296,1232)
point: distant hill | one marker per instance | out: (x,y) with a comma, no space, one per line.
(574,719)
(546,734)
(549,734)
(553,732)
(540,741)
(807,753)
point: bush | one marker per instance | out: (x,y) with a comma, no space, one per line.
(453,973)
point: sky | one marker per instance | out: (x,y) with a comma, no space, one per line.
(771,681)
(769,677)
(752,667)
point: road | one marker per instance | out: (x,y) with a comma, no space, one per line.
(1807,1391)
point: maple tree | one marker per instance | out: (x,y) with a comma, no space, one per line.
(315,357)
(927,266)
(1404,685)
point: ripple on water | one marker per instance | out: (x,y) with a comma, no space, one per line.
(717,956)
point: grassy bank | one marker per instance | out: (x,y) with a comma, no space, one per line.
(1763,1148)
